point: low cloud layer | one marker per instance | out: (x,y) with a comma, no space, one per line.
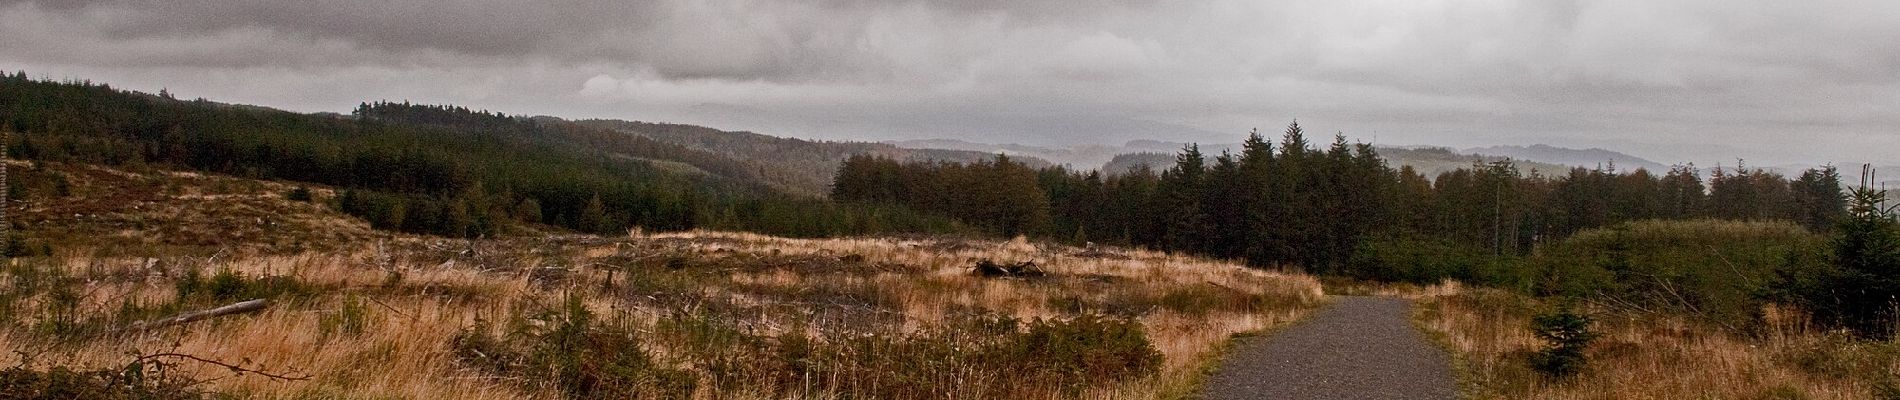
(1705,81)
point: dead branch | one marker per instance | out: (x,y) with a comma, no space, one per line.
(241,307)
(386,305)
(236,369)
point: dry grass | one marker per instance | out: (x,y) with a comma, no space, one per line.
(368,314)
(152,212)
(412,297)
(1653,358)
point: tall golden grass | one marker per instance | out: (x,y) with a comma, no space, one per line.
(414,296)
(1649,357)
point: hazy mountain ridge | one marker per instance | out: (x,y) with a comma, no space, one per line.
(433,169)
(1084,156)
(797,165)
(1587,158)
(1159,154)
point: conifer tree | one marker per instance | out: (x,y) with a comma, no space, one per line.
(1860,291)
(1224,210)
(1264,204)
(593,217)
(1181,188)
(1818,200)
(1682,194)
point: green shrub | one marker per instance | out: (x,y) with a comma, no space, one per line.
(1716,272)
(1425,260)
(1566,334)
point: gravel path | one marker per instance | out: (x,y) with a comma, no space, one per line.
(1357,348)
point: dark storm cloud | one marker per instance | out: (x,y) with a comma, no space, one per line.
(1813,80)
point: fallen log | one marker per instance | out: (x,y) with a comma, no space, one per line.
(247,306)
(1026,269)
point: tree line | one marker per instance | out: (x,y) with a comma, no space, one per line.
(1336,209)
(453,171)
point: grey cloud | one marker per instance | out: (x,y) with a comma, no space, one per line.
(1585,72)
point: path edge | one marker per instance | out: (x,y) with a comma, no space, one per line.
(1467,384)
(1196,387)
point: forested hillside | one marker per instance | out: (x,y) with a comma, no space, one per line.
(795,165)
(106,179)
(1428,161)
(1338,209)
(429,169)
(1567,156)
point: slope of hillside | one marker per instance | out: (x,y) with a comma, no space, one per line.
(1125,163)
(93,209)
(796,165)
(1587,158)
(1431,161)
(1084,156)
(440,170)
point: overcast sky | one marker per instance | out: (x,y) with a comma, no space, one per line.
(1705,81)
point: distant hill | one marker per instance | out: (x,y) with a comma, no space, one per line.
(1075,157)
(437,169)
(795,165)
(1885,176)
(1429,161)
(1124,163)
(1082,157)
(1158,155)
(1587,158)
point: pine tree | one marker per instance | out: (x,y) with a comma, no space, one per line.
(1818,200)
(1859,292)
(1021,205)
(1293,144)
(1181,187)
(1750,194)
(593,217)
(1683,194)
(1223,206)
(1264,204)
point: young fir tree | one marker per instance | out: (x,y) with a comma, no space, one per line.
(593,218)
(1862,290)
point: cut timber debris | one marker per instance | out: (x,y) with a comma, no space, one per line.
(1024,269)
(247,306)
(1091,251)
